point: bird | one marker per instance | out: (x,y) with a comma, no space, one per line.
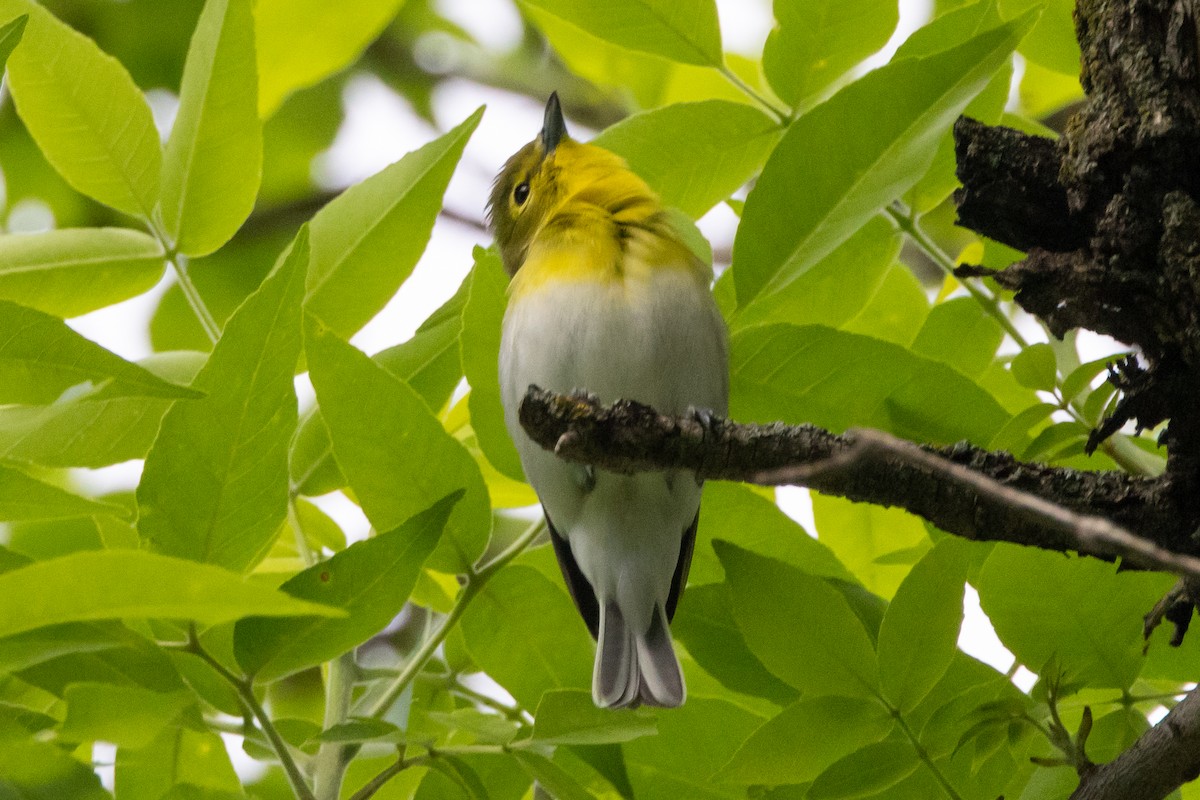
(605,299)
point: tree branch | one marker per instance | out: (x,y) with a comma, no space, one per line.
(1163,759)
(628,437)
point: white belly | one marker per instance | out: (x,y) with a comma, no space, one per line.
(664,345)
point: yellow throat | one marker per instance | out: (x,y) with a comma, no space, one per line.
(564,210)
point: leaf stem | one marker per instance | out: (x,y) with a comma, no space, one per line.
(386,774)
(782,115)
(476,579)
(923,754)
(332,758)
(909,225)
(245,691)
(207,321)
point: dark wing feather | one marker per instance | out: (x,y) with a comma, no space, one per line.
(679,579)
(581,591)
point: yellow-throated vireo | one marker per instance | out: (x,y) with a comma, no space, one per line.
(606,298)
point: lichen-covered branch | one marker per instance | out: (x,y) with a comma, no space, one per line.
(628,437)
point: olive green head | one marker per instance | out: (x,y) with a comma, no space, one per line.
(526,190)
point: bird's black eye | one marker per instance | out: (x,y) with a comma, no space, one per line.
(521,193)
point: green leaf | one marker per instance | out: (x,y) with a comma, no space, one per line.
(885,128)
(691,741)
(1082,376)
(959,333)
(361,729)
(835,289)
(521,605)
(379,425)
(85,112)
(480,343)
(40,358)
(686,31)
(81,587)
(178,757)
(10,37)
(805,739)
(946,31)
(799,626)
(551,777)
(299,42)
(862,536)
(570,717)
(694,154)
(70,272)
(705,625)
(838,380)
(213,159)
(90,431)
(366,241)
(45,644)
(815,41)
(429,362)
(24,498)
(35,770)
(1052,42)
(919,633)
(214,487)
(1036,367)
(738,514)
(127,716)
(867,772)
(1045,604)
(371,580)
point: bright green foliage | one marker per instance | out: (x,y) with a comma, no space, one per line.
(367,240)
(569,717)
(694,154)
(821,658)
(23,497)
(92,430)
(10,35)
(838,380)
(480,343)
(71,272)
(829,652)
(85,112)
(384,440)
(125,715)
(522,605)
(214,485)
(685,31)
(299,43)
(370,580)
(150,586)
(919,632)
(41,358)
(1035,367)
(203,201)
(1015,585)
(868,772)
(805,739)
(885,126)
(816,41)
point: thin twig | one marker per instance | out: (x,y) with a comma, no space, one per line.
(1091,532)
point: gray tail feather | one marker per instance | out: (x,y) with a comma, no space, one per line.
(632,670)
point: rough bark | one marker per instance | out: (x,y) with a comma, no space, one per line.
(1120,256)
(631,437)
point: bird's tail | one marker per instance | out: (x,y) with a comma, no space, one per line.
(634,669)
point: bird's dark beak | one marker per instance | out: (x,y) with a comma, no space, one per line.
(554,128)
